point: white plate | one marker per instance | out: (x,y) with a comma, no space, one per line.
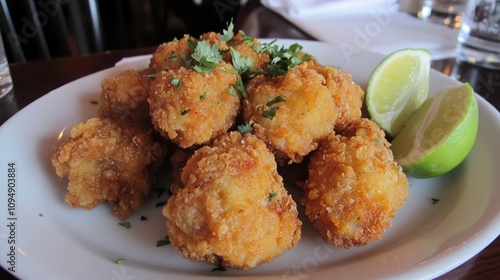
(55,241)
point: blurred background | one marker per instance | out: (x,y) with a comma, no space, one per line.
(44,29)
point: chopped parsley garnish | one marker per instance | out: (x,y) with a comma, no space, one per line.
(232,91)
(227,34)
(120,261)
(270,114)
(244,128)
(276,100)
(202,97)
(160,204)
(176,82)
(377,140)
(93,102)
(240,63)
(144,218)
(160,191)
(434,200)
(172,57)
(163,242)
(218,268)
(271,196)
(184,112)
(241,88)
(40,215)
(126,225)
(184,58)
(281,59)
(207,56)
(248,39)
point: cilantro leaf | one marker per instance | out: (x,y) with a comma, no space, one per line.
(276,100)
(227,34)
(244,128)
(270,114)
(207,56)
(241,88)
(282,59)
(163,242)
(126,225)
(241,64)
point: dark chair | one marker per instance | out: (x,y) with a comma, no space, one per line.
(44,29)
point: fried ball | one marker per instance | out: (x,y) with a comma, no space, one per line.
(347,95)
(192,108)
(292,112)
(354,186)
(125,96)
(109,160)
(232,208)
(241,44)
(173,54)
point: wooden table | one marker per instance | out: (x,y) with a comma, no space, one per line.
(34,79)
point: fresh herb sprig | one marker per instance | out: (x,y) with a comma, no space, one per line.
(282,58)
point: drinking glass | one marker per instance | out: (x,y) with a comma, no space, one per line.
(479,36)
(447,12)
(5,78)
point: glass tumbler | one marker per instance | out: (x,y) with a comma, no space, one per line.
(479,36)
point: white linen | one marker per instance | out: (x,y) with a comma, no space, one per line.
(377,25)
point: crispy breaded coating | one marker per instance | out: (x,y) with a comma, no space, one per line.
(109,160)
(292,112)
(232,208)
(173,54)
(354,186)
(347,95)
(125,95)
(244,45)
(192,108)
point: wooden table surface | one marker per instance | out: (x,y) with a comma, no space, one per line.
(34,79)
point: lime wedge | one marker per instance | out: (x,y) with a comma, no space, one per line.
(440,134)
(397,87)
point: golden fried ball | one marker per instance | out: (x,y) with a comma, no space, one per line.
(172,54)
(232,208)
(192,108)
(348,96)
(354,186)
(125,95)
(109,160)
(292,112)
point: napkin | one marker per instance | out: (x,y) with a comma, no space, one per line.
(377,25)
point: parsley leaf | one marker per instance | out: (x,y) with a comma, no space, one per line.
(218,268)
(176,82)
(163,242)
(203,96)
(434,200)
(244,128)
(247,39)
(126,225)
(270,114)
(227,34)
(207,56)
(271,196)
(276,100)
(120,261)
(241,88)
(282,59)
(160,204)
(241,64)
(184,112)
